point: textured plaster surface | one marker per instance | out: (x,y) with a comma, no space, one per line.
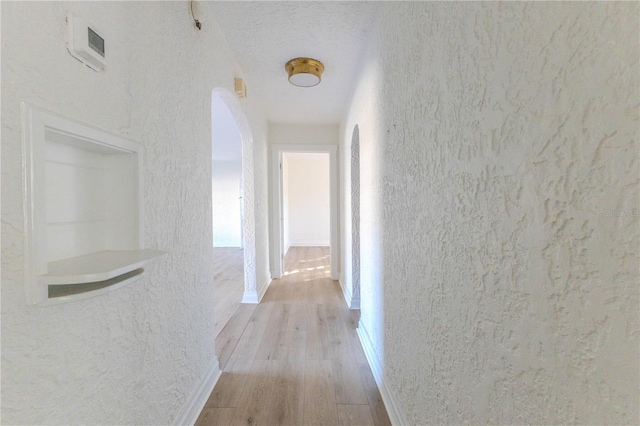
(500,228)
(354,287)
(135,355)
(264,35)
(303,134)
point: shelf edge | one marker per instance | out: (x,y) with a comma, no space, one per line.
(47,279)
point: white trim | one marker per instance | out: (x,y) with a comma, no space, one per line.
(389,398)
(316,244)
(265,286)
(355,303)
(193,407)
(345,293)
(347,298)
(252,296)
(352,302)
(277,254)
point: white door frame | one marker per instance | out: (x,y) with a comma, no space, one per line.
(277,254)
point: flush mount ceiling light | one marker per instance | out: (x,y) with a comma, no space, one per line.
(304,72)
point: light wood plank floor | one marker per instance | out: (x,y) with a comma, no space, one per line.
(295,359)
(228,282)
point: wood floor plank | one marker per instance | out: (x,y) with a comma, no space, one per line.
(319,395)
(215,417)
(276,293)
(317,332)
(354,415)
(378,412)
(257,393)
(236,370)
(297,328)
(226,393)
(347,382)
(339,342)
(290,261)
(297,291)
(351,319)
(325,291)
(295,358)
(228,284)
(250,340)
(272,342)
(230,335)
(286,406)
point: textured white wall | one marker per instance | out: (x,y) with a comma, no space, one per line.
(499,187)
(225,137)
(226,203)
(307,199)
(135,355)
(307,134)
(364,111)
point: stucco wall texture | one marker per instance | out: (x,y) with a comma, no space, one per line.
(499,185)
(135,355)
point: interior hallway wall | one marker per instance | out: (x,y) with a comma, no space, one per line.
(135,355)
(304,134)
(499,191)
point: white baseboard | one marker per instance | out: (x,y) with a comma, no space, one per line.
(389,398)
(253,296)
(250,296)
(355,303)
(352,302)
(265,286)
(200,395)
(345,294)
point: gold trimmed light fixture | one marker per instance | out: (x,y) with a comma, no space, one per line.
(304,72)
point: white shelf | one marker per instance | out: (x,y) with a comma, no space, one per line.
(100,266)
(83,209)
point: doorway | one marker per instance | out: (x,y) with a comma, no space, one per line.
(226,202)
(233,210)
(226,175)
(281,241)
(305,200)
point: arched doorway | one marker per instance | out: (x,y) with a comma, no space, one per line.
(226,172)
(241,215)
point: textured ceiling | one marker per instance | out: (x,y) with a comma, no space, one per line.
(263,36)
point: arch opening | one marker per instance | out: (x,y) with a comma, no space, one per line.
(232,172)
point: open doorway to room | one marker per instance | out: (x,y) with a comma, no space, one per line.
(305,203)
(227,210)
(306,230)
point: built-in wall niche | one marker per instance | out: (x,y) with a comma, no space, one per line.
(83,209)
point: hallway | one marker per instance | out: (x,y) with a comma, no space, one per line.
(228,279)
(295,358)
